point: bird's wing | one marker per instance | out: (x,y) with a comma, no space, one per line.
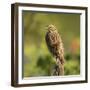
(52,39)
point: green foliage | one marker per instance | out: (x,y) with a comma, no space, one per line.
(37,59)
(72,67)
(46,63)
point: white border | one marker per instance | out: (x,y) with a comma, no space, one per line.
(46,79)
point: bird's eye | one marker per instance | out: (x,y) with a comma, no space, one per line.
(49,27)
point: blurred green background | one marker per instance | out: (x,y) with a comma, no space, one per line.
(38,61)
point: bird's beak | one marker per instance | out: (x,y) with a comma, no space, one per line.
(46,28)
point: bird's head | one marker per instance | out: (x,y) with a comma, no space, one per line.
(51,28)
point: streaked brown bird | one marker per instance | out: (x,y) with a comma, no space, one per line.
(55,46)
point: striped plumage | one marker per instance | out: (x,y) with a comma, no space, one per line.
(54,43)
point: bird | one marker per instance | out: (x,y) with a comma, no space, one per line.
(55,46)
